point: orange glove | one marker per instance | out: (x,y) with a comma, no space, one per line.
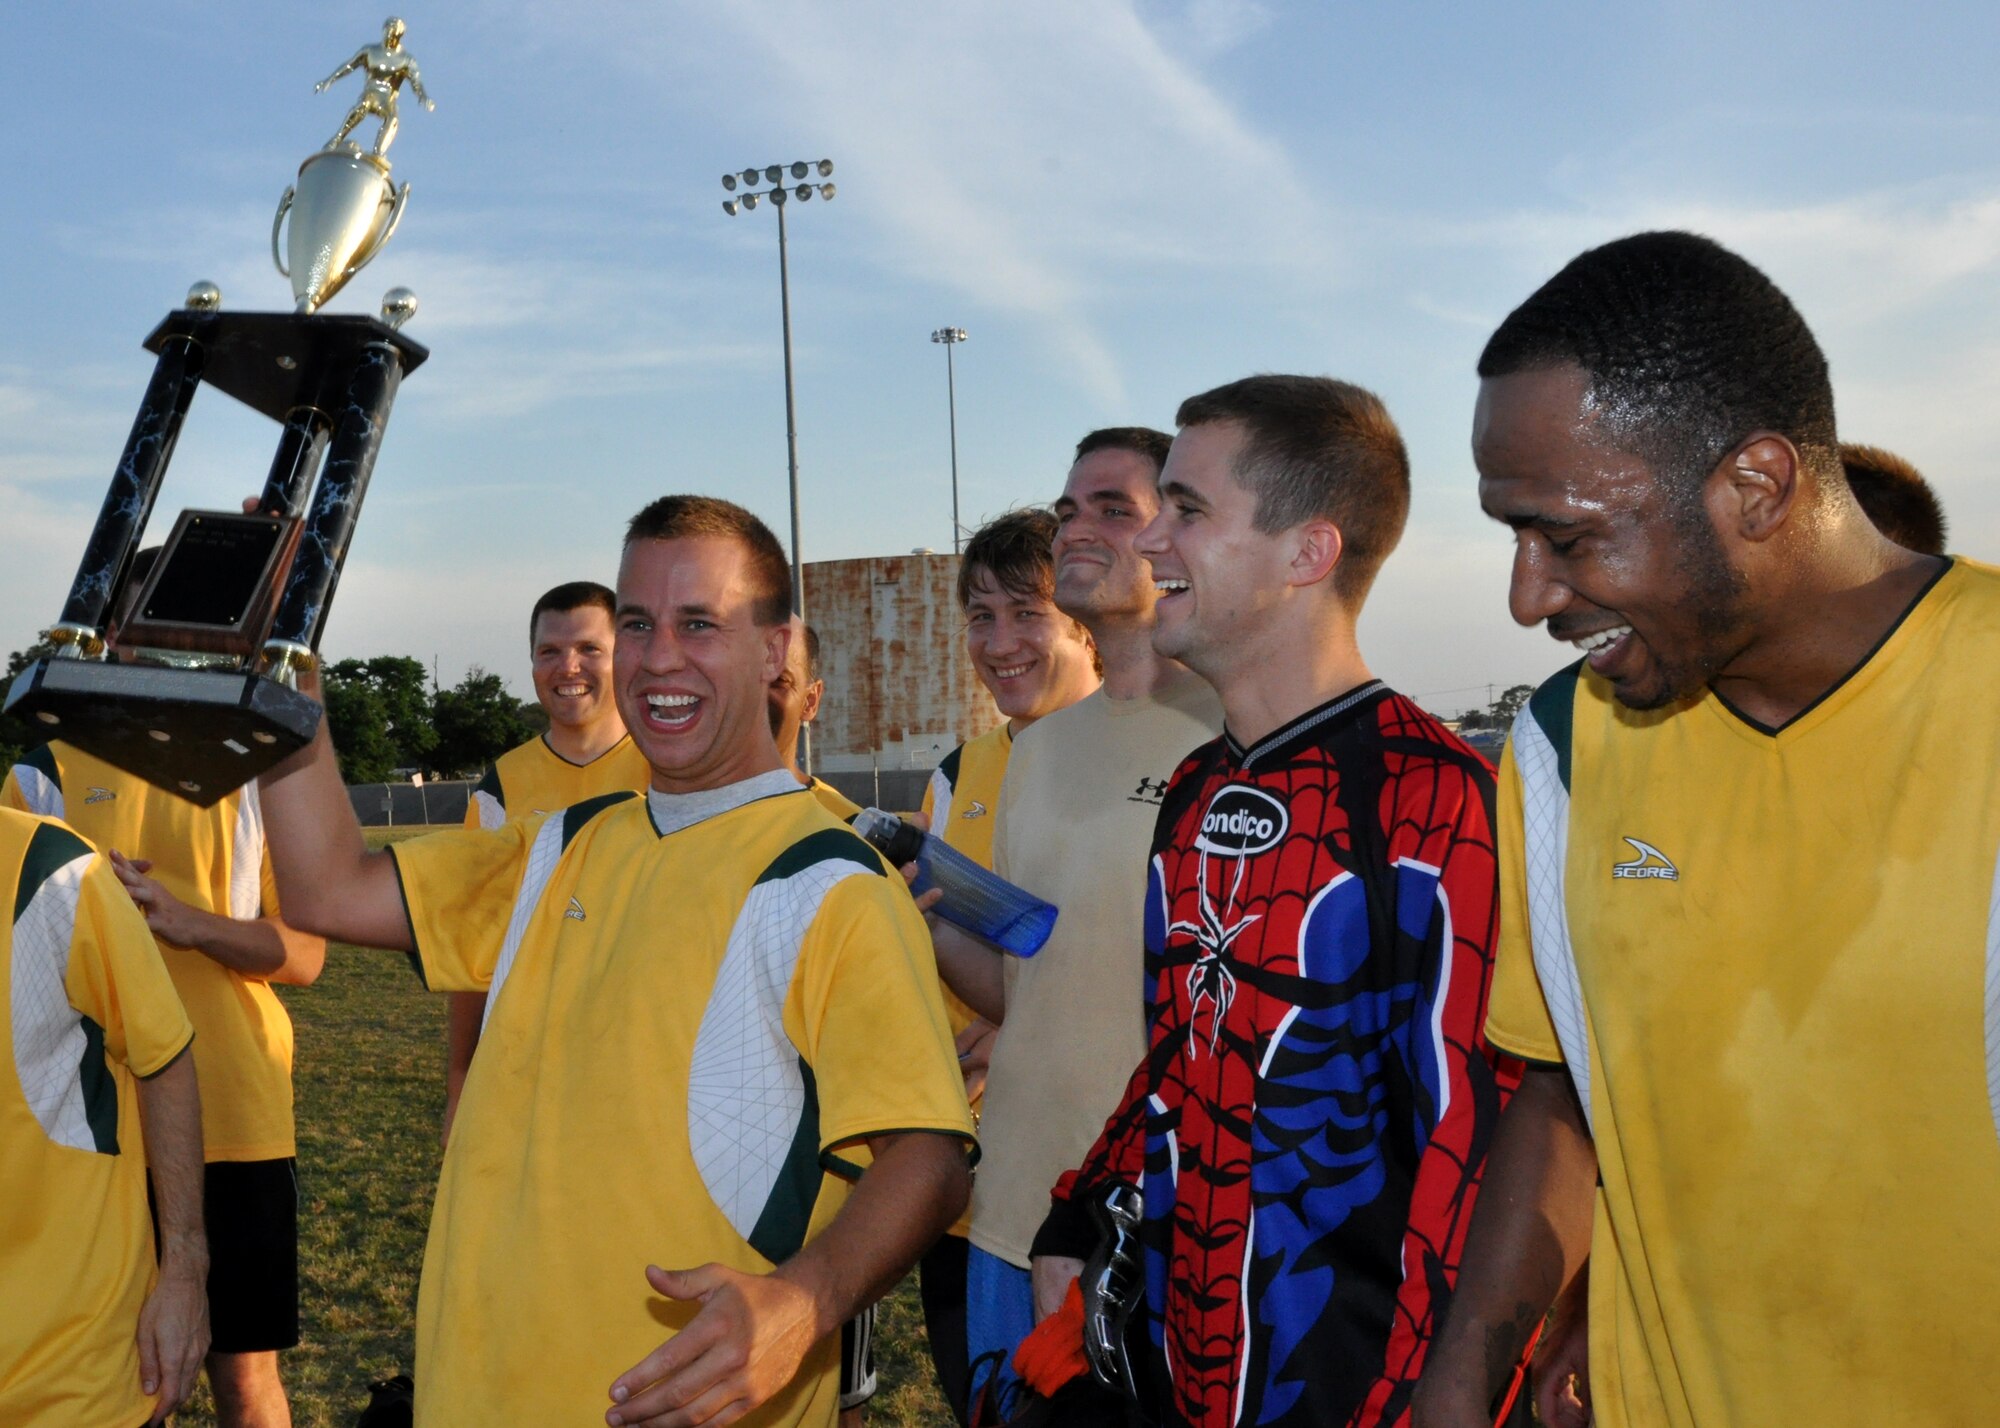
(1052,1355)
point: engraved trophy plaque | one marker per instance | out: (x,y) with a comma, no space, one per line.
(186,675)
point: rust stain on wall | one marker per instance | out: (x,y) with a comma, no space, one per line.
(900,690)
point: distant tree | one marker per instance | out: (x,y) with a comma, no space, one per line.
(477,722)
(18,736)
(1500,713)
(358,719)
(402,686)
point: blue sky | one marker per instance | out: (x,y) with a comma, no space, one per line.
(1123,202)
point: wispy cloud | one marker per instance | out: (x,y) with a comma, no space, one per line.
(1037,158)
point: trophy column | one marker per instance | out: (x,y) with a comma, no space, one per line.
(336,506)
(129,502)
(300,446)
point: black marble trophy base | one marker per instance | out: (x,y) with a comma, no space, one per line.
(200,733)
(253,588)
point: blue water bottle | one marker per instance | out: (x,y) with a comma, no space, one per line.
(974,899)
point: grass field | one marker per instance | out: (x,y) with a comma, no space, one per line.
(370,1089)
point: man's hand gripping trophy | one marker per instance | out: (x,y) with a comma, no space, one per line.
(387,65)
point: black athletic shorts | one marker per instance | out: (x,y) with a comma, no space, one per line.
(857,1359)
(251,1210)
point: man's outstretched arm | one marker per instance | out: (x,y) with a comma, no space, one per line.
(360,58)
(1530,1231)
(173,1325)
(328,881)
(754,1330)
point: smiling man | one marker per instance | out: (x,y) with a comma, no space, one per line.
(586,753)
(716,1043)
(1307,1127)
(1750,855)
(1082,789)
(1033,659)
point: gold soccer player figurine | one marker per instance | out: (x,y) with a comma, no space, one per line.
(388,65)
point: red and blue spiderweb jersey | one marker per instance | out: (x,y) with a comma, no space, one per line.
(1310,1122)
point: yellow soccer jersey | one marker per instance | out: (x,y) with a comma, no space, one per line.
(959,801)
(213,859)
(1771,961)
(834,801)
(691,1033)
(88,1008)
(965,789)
(534,778)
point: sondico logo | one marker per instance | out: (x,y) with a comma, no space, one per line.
(1651,863)
(1242,821)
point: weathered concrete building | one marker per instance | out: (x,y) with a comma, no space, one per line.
(900,690)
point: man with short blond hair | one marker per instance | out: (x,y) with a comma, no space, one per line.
(715,1041)
(1033,660)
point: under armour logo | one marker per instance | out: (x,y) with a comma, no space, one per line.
(575,910)
(1651,863)
(978,810)
(99,795)
(1150,790)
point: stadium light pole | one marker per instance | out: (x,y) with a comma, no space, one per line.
(780,194)
(950,337)
(775,175)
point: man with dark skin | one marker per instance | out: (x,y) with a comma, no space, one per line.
(1656,427)
(1900,503)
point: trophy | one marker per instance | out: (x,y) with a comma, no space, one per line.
(185,673)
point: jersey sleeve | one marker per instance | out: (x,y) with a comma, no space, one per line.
(460,890)
(115,976)
(871,1024)
(34,785)
(487,806)
(1442,852)
(938,791)
(1517,1016)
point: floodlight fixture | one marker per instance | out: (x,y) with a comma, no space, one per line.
(782,194)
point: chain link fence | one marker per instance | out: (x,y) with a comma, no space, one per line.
(401,805)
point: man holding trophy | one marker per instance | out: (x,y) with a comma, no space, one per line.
(716,1109)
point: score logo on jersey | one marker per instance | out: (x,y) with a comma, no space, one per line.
(1242,821)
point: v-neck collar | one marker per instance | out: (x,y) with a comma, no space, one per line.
(677,812)
(1896,627)
(1311,722)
